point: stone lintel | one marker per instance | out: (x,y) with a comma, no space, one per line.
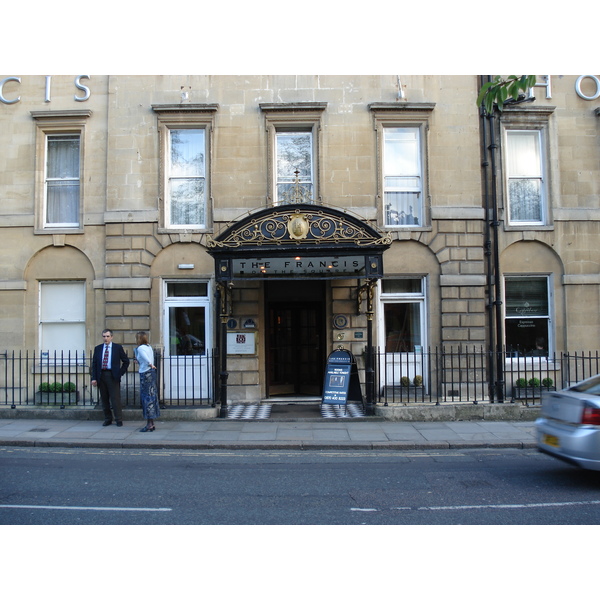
(123,283)
(582,279)
(462,280)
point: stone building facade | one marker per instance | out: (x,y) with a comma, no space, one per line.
(117,191)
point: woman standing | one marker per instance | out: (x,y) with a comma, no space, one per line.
(148,389)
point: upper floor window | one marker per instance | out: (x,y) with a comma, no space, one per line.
(185,200)
(525,177)
(185,149)
(402,176)
(526,156)
(402,162)
(62,180)
(294,167)
(293,151)
(60,176)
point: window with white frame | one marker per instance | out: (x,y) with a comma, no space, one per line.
(62,180)
(186,178)
(402,181)
(62,318)
(294,166)
(185,132)
(403,313)
(526,186)
(527,323)
(293,151)
(402,176)
(60,175)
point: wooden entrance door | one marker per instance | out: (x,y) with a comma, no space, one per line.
(295,347)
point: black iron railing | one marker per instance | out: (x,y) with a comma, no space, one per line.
(457,374)
(439,375)
(62,379)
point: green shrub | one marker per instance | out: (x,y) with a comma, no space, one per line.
(418,380)
(534,382)
(55,387)
(547,382)
(404,381)
(69,387)
(521,382)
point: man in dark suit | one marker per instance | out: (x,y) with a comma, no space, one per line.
(109,364)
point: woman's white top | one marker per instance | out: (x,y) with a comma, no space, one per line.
(145,357)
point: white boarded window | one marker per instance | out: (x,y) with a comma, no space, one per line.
(62,317)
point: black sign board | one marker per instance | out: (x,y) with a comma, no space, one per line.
(307,266)
(341,379)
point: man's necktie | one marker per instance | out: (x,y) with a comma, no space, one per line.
(105,359)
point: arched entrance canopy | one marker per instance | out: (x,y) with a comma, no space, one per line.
(301,241)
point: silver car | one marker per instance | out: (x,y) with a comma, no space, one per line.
(569,424)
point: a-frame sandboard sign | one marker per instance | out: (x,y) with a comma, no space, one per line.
(341,383)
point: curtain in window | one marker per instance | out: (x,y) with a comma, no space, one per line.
(187,177)
(402,208)
(62,180)
(524,176)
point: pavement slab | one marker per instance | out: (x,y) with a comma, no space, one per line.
(313,434)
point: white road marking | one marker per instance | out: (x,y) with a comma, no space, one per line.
(116,508)
(484,506)
(531,505)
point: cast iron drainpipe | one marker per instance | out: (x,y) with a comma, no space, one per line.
(499,382)
(488,251)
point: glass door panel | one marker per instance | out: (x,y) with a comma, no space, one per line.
(187,372)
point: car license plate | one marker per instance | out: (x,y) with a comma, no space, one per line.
(550,440)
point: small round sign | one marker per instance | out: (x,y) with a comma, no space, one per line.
(340,321)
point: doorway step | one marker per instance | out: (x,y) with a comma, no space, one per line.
(294,400)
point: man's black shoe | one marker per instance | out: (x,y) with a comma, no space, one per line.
(119,423)
(107,422)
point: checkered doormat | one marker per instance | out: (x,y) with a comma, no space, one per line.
(263,411)
(336,411)
(249,411)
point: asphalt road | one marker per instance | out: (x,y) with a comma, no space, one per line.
(151,487)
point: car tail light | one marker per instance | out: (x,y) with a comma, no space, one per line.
(590,416)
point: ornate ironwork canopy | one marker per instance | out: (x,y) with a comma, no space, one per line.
(299,240)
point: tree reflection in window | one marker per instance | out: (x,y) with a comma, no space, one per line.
(187,177)
(294,166)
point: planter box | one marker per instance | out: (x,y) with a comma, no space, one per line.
(57,398)
(529,393)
